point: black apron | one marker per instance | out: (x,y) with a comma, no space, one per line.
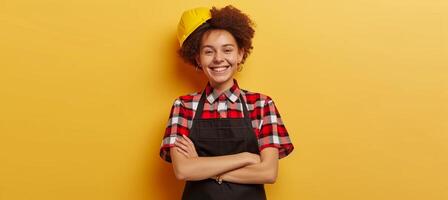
(217,137)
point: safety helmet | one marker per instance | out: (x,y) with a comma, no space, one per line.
(190,21)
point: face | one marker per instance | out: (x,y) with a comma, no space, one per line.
(219,57)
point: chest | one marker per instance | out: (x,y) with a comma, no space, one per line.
(224,109)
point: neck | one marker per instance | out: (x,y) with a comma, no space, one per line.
(220,88)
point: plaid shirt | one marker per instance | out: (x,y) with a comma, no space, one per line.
(266,122)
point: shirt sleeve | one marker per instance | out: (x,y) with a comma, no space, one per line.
(177,125)
(272,132)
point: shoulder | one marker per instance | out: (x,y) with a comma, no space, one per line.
(257,98)
(188,100)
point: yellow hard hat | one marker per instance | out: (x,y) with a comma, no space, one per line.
(190,21)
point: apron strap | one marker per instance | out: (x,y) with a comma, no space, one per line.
(200,106)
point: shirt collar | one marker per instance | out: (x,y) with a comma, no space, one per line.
(232,94)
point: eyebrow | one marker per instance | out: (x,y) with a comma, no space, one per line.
(226,45)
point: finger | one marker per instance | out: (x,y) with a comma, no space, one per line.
(188,139)
(181,140)
(190,144)
(181,145)
(187,146)
(182,152)
(184,142)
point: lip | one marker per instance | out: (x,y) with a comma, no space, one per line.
(219,69)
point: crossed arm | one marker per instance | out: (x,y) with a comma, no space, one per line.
(244,168)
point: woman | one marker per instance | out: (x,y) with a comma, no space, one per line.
(224,141)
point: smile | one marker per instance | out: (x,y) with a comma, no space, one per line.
(220,69)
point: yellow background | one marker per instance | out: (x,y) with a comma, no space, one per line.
(86,88)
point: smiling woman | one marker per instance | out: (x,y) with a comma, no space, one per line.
(219,58)
(224,141)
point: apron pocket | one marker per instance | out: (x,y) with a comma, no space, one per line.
(220,147)
(222,133)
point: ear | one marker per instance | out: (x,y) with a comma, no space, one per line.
(197,61)
(240,55)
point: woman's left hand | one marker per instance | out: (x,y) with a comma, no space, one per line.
(186,147)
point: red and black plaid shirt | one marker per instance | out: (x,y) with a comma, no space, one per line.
(266,122)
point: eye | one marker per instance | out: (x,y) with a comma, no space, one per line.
(207,51)
(228,50)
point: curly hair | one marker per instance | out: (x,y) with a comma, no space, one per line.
(228,18)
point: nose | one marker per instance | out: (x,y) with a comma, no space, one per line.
(219,57)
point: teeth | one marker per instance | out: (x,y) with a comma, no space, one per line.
(219,69)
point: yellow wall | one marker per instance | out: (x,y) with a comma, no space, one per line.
(86,88)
